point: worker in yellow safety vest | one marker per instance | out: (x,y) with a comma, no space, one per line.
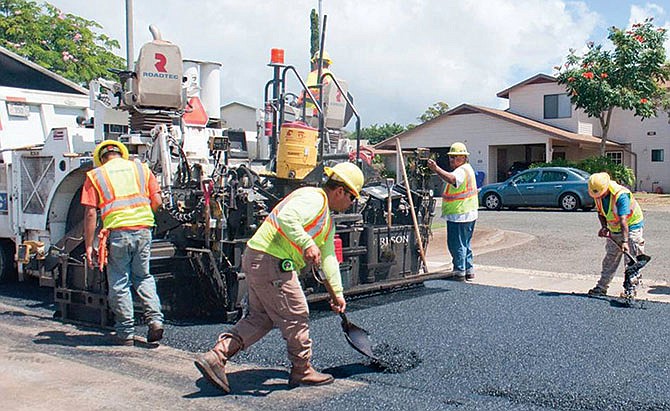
(621,219)
(313,81)
(299,231)
(127,194)
(459,209)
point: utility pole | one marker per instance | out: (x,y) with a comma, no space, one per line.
(320,20)
(130,52)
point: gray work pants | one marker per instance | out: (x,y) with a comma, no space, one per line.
(613,254)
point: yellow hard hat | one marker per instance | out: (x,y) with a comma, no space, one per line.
(598,184)
(326,57)
(347,173)
(107,146)
(458,149)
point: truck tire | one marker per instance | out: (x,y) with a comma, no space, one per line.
(8,272)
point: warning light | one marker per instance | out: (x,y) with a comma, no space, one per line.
(277,56)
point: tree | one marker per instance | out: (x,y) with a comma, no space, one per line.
(63,43)
(375,133)
(314,33)
(434,111)
(629,77)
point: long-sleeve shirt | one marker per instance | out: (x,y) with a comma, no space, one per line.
(303,207)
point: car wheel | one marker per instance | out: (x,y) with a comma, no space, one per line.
(569,202)
(492,201)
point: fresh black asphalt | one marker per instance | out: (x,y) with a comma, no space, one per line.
(481,348)
(485,348)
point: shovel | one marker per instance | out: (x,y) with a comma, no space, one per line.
(358,338)
(634,264)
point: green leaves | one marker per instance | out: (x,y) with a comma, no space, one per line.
(375,133)
(596,164)
(433,111)
(314,35)
(63,43)
(629,76)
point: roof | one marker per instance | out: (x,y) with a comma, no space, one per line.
(554,132)
(237,103)
(536,79)
(18,72)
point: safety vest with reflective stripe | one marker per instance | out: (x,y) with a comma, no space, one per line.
(271,239)
(312,81)
(461,199)
(123,193)
(612,215)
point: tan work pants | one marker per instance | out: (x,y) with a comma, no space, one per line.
(275,300)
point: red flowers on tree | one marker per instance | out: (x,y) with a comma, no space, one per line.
(629,75)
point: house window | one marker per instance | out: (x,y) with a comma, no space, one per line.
(616,156)
(557,106)
(657,155)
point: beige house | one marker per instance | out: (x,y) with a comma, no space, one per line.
(542,124)
(239,116)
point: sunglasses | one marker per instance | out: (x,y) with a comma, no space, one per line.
(352,196)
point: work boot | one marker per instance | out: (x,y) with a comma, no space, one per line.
(155,332)
(212,364)
(598,291)
(458,275)
(308,376)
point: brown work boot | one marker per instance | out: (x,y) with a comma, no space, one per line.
(308,376)
(155,332)
(212,364)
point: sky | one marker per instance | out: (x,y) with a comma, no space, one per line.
(398,57)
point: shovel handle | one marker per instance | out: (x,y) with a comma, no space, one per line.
(629,255)
(344,318)
(329,288)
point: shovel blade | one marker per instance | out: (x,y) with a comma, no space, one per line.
(640,261)
(358,338)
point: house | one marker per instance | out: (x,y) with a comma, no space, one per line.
(239,116)
(540,123)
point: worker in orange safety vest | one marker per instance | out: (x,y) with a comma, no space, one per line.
(127,194)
